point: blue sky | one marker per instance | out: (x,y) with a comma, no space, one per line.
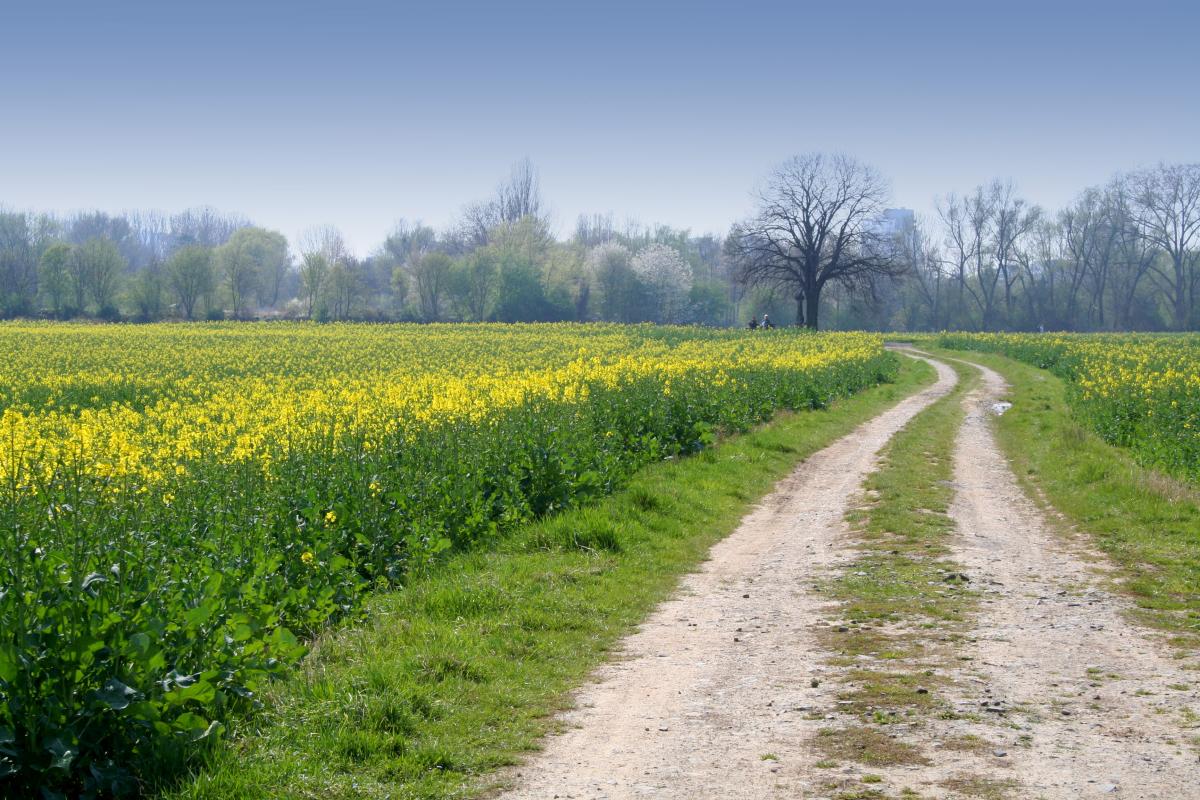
(359,113)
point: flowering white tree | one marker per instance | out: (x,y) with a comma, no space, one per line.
(667,276)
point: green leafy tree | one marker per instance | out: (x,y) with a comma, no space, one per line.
(345,286)
(399,285)
(314,269)
(472,283)
(709,303)
(54,275)
(190,276)
(146,292)
(100,265)
(522,296)
(623,298)
(248,256)
(23,238)
(321,249)
(430,275)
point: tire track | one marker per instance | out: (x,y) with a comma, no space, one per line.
(1095,703)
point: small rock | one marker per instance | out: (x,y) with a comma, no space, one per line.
(922,690)
(814,683)
(745,596)
(663,728)
(999,753)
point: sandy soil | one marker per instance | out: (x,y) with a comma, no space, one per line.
(1070,699)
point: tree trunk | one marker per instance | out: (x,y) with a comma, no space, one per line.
(799,309)
(813,300)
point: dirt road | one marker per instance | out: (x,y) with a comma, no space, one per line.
(722,690)
(1081,702)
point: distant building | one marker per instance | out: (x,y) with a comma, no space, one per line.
(895,221)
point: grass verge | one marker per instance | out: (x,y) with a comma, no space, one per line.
(1146,522)
(461,672)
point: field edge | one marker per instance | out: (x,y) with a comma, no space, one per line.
(462,672)
(1142,520)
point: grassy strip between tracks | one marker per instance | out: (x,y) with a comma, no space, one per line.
(903,606)
(461,672)
(1147,523)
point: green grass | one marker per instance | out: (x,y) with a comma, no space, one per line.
(1147,523)
(866,745)
(976,786)
(896,585)
(461,672)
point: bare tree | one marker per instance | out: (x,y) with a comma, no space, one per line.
(924,263)
(960,247)
(1013,219)
(1166,206)
(594,230)
(1037,275)
(817,222)
(979,214)
(1083,226)
(520,196)
(516,198)
(204,226)
(1134,253)
(152,230)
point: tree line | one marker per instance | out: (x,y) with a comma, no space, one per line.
(499,262)
(1122,256)
(821,248)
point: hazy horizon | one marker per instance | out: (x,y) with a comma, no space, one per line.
(302,114)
